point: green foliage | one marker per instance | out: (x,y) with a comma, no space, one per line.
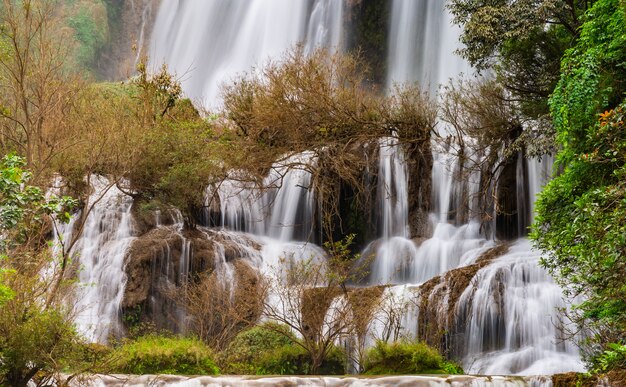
(581,214)
(284,360)
(593,77)
(406,358)
(6,293)
(152,137)
(174,165)
(88,19)
(522,40)
(611,358)
(176,152)
(271,349)
(294,360)
(243,353)
(164,355)
(22,206)
(40,340)
(36,330)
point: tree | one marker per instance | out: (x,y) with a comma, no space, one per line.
(37,88)
(580,213)
(36,328)
(312,298)
(522,40)
(216,310)
(321,103)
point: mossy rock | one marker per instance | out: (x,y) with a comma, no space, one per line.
(155,354)
(405,358)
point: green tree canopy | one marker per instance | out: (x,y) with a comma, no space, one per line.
(581,214)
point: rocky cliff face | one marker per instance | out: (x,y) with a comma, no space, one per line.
(441,318)
(130,23)
(168,258)
(420,165)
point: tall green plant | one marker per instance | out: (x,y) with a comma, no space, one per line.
(37,335)
(581,214)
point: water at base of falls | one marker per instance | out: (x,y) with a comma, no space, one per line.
(321,381)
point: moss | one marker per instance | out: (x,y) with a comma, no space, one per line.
(407,358)
(243,353)
(164,355)
(294,360)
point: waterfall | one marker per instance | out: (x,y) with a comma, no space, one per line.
(145,8)
(422,41)
(539,172)
(208,42)
(509,308)
(100,251)
(512,327)
(282,209)
(395,249)
(393,189)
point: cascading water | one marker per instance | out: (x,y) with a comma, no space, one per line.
(422,41)
(208,42)
(520,336)
(512,325)
(394,250)
(100,250)
(146,10)
(283,209)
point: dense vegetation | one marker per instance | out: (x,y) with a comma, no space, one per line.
(567,58)
(407,358)
(36,324)
(582,212)
(560,78)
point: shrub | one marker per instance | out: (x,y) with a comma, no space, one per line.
(407,358)
(295,360)
(612,358)
(334,363)
(154,354)
(243,353)
(270,349)
(284,360)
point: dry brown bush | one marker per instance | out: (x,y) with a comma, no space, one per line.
(321,103)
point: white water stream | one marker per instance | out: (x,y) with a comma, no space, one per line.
(100,250)
(208,42)
(319,381)
(510,304)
